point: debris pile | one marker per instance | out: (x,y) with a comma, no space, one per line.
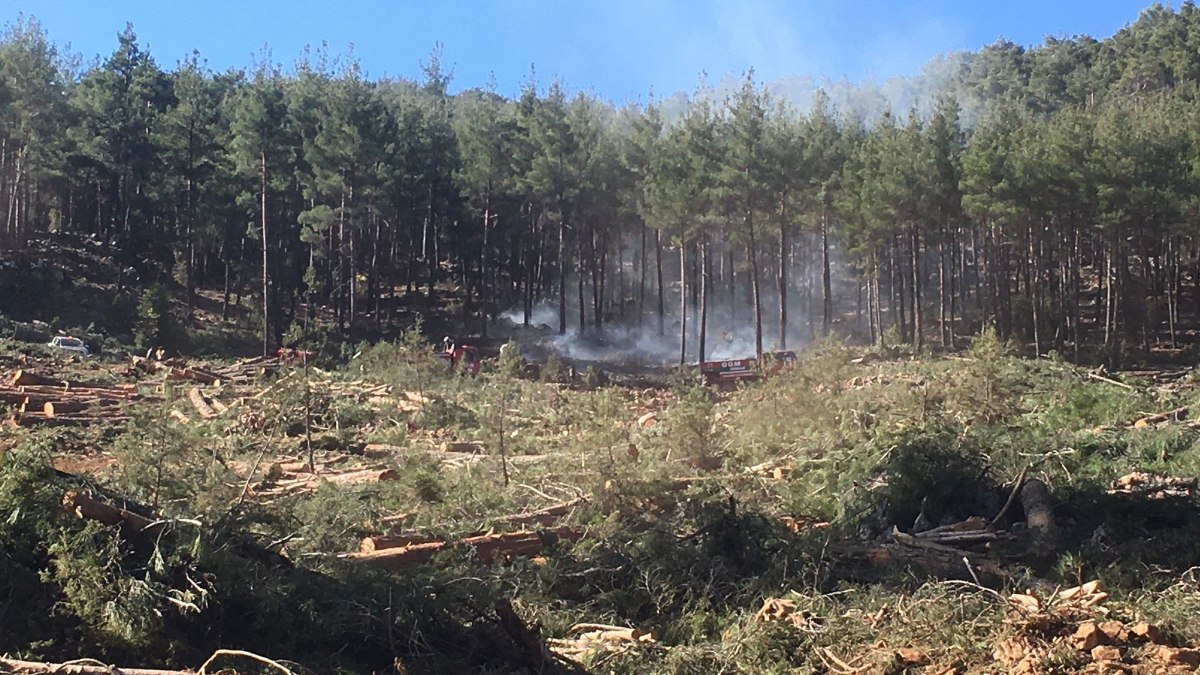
(589,641)
(1074,620)
(1142,484)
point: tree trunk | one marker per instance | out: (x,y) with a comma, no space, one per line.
(266,279)
(642,279)
(918,315)
(562,277)
(662,307)
(485,288)
(755,283)
(682,302)
(783,278)
(705,286)
(826,275)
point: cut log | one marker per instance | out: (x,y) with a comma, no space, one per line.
(447,458)
(193,375)
(609,631)
(473,447)
(361,476)
(1039,511)
(16,667)
(972,524)
(301,466)
(39,419)
(487,547)
(25,377)
(201,406)
(386,541)
(545,517)
(59,408)
(85,507)
(72,392)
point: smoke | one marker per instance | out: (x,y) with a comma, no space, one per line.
(730,334)
(861,103)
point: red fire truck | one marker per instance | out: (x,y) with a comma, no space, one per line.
(729,372)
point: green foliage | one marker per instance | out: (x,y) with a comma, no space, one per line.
(689,429)
(156,326)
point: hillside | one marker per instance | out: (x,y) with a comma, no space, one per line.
(749,531)
(968,439)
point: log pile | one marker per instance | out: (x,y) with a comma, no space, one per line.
(1142,484)
(297,477)
(245,372)
(972,533)
(173,369)
(207,407)
(486,547)
(41,400)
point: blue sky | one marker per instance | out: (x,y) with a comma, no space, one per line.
(621,49)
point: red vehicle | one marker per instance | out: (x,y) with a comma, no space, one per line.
(460,357)
(293,354)
(731,371)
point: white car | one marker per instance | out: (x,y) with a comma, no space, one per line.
(70,344)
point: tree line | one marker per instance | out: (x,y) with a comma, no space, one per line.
(1049,192)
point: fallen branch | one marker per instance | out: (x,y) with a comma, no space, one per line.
(1111,381)
(245,655)
(545,517)
(1012,496)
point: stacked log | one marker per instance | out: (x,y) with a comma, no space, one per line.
(43,400)
(248,370)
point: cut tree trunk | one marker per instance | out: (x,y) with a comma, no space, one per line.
(196,397)
(386,541)
(1039,511)
(85,507)
(39,668)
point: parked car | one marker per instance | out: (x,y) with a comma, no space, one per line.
(70,344)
